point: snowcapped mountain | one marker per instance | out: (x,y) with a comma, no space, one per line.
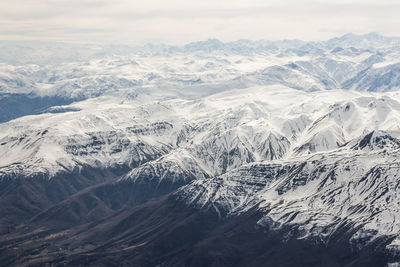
(352,62)
(168,153)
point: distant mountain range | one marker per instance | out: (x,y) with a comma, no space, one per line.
(45,53)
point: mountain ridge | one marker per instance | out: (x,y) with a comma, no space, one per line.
(216,156)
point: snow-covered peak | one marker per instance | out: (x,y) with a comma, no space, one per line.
(219,132)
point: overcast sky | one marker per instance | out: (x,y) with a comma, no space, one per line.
(182,21)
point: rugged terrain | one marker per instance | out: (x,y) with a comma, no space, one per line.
(212,154)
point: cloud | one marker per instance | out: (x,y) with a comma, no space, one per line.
(177,21)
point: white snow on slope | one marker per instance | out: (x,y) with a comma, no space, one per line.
(270,129)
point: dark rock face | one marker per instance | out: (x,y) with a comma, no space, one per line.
(22,198)
(96,217)
(364,142)
(165,232)
(379,140)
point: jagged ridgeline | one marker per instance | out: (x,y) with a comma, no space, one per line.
(213,154)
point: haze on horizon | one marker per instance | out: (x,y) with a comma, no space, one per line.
(179,22)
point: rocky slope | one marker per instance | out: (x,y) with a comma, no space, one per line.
(206,155)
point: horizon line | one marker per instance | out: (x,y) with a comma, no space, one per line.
(141,44)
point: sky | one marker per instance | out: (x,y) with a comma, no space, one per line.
(182,21)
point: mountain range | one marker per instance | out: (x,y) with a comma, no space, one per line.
(248,153)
